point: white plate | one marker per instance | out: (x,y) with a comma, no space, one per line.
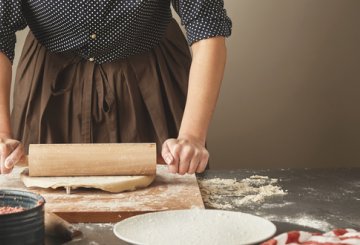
(194,227)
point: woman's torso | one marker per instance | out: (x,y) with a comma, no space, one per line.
(98,30)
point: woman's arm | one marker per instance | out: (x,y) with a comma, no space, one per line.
(5,84)
(11,151)
(187,153)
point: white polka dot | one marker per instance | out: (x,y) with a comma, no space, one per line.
(122,28)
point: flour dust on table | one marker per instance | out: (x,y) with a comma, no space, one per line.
(253,190)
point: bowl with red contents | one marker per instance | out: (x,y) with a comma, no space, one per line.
(21,218)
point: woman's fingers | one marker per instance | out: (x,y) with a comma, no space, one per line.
(194,163)
(170,153)
(2,165)
(166,153)
(11,152)
(4,153)
(203,163)
(14,157)
(184,156)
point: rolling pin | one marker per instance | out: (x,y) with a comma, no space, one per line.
(57,227)
(91,159)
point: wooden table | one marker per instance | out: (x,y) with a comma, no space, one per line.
(316,199)
(167,192)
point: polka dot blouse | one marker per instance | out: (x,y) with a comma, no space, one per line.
(105,30)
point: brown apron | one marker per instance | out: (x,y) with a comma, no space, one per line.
(62,98)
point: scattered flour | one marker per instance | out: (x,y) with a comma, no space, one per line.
(252,190)
(303,220)
(95,226)
(311,222)
(94,243)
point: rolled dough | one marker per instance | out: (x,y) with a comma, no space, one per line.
(106,183)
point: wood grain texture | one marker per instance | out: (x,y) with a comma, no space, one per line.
(167,192)
(92,159)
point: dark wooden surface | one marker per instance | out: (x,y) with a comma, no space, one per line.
(329,197)
(316,200)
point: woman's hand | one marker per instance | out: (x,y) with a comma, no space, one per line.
(11,152)
(185,155)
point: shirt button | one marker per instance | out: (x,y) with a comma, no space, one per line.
(93,36)
(92,59)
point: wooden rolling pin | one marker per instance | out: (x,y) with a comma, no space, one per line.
(57,227)
(91,159)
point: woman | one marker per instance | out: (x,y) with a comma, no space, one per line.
(112,71)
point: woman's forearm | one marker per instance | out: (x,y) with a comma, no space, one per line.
(11,151)
(206,74)
(5,85)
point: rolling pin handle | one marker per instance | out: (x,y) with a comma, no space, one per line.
(58,227)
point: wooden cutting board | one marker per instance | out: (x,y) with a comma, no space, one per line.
(168,192)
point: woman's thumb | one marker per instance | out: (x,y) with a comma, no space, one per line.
(166,154)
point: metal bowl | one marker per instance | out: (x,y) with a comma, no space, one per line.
(24,227)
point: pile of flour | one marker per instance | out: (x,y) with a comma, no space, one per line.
(252,190)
